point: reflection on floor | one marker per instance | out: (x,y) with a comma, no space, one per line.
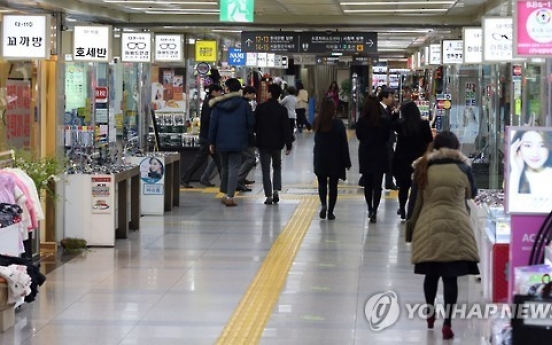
(207,274)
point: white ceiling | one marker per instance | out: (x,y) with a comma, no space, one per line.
(401,24)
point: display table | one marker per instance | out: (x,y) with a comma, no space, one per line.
(101,208)
(187,155)
(159,182)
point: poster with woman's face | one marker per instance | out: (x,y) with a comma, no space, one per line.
(529,170)
(152,170)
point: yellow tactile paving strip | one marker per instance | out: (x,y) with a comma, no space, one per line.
(248,321)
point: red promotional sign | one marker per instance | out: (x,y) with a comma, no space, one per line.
(101,94)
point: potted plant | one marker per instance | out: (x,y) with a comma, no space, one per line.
(41,170)
(345,90)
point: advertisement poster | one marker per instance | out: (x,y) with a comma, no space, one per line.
(18,113)
(168,92)
(529,170)
(101,194)
(533,28)
(152,170)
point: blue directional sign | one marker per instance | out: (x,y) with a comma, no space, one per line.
(236,57)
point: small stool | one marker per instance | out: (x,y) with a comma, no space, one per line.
(7,311)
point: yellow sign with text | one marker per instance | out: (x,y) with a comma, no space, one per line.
(206,51)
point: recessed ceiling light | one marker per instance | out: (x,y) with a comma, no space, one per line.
(397,3)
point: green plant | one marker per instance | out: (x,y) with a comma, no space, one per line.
(40,169)
(72,245)
(345,89)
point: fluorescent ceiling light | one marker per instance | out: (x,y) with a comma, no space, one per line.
(213,3)
(211,10)
(398,10)
(230,31)
(397,3)
(174,11)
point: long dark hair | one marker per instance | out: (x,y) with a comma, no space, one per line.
(411,119)
(524,187)
(326,113)
(444,139)
(372,110)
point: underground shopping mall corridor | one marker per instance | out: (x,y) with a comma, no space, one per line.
(252,274)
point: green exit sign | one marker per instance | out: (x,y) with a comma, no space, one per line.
(237,11)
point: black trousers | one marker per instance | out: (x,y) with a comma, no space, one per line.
(372,191)
(389,174)
(302,119)
(323,182)
(199,159)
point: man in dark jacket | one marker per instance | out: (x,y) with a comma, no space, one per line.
(231,122)
(387,100)
(203,153)
(248,156)
(272,133)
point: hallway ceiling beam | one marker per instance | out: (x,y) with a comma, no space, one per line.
(74,7)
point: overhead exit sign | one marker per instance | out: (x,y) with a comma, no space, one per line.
(237,11)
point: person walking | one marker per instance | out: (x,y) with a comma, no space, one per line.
(272,134)
(443,241)
(372,130)
(301,108)
(413,136)
(249,157)
(203,153)
(331,156)
(231,122)
(387,101)
(290,102)
(333,93)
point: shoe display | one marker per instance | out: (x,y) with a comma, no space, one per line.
(207,183)
(275,197)
(268,201)
(322,213)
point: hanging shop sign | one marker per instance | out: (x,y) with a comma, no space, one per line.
(92,43)
(435,54)
(497,39)
(251,59)
(168,48)
(25,37)
(136,47)
(339,42)
(270,60)
(241,11)
(261,60)
(270,41)
(533,29)
(473,45)
(206,51)
(236,57)
(453,52)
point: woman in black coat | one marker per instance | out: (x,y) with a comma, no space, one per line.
(413,136)
(331,155)
(372,130)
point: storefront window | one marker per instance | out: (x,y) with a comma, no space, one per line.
(18,97)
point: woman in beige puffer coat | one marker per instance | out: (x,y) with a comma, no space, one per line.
(443,241)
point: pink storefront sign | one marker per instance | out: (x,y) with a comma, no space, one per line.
(533,29)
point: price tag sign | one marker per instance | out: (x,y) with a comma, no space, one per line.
(25,37)
(92,43)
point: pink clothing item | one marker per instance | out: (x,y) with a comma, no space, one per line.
(7,186)
(27,200)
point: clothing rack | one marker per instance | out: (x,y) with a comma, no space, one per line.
(9,161)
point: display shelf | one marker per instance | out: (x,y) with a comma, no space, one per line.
(101,208)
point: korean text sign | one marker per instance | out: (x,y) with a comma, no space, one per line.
(497,39)
(533,28)
(473,45)
(25,37)
(206,51)
(136,47)
(92,43)
(168,48)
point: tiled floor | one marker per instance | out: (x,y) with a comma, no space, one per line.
(179,278)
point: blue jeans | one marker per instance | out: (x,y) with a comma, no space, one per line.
(276,157)
(231,162)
